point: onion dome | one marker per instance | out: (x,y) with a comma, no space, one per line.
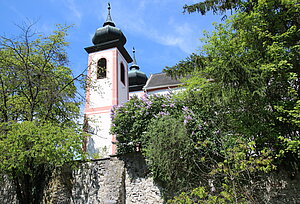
(137,79)
(108,32)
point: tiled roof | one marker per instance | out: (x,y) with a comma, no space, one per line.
(160,80)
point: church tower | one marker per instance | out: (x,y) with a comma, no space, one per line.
(107,85)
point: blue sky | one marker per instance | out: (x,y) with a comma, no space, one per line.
(161,34)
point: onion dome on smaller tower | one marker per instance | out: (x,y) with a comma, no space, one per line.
(108,32)
(137,79)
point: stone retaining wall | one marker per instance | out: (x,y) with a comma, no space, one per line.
(114,180)
(126,179)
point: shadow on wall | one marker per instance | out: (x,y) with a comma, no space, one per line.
(7,190)
(135,165)
(139,184)
(96,153)
(91,150)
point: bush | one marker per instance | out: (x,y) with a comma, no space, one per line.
(171,154)
(130,120)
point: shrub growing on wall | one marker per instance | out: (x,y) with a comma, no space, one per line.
(172,155)
(130,120)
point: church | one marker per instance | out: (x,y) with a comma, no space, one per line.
(111,82)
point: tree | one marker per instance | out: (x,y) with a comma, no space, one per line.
(242,103)
(246,80)
(248,72)
(216,6)
(38,110)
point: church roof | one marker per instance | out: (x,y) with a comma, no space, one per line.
(109,36)
(137,78)
(160,80)
(108,32)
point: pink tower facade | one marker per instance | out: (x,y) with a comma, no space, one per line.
(107,86)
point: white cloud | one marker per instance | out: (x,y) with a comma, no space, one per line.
(147,19)
(73,8)
(158,20)
(188,35)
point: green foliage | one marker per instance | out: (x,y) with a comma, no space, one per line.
(186,67)
(157,123)
(201,195)
(248,86)
(234,179)
(176,168)
(130,120)
(216,6)
(249,74)
(38,144)
(239,116)
(38,110)
(35,82)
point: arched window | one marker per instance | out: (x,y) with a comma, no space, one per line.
(122,73)
(101,68)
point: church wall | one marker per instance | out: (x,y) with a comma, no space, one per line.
(101,90)
(100,141)
(102,95)
(139,94)
(122,88)
(165,90)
